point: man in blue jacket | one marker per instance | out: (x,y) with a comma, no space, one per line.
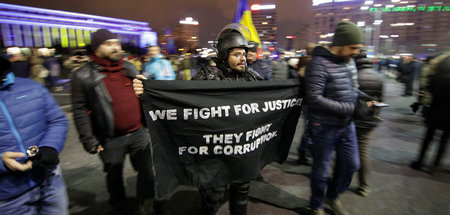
(32,133)
(157,68)
(331,95)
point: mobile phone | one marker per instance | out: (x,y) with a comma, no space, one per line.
(380,104)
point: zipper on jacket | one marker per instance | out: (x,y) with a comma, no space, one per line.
(13,127)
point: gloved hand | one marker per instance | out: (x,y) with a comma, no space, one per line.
(47,158)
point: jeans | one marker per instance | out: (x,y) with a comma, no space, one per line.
(48,198)
(328,139)
(137,144)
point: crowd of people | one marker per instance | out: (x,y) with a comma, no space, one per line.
(340,87)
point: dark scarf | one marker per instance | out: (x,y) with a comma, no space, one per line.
(108,65)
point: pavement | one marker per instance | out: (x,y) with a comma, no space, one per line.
(396,189)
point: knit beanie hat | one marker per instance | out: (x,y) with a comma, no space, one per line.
(100,36)
(347,33)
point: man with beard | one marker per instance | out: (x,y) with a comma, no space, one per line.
(109,119)
(230,66)
(331,95)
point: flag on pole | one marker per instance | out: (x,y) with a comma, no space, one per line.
(244,16)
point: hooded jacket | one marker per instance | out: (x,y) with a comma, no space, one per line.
(329,90)
(29,115)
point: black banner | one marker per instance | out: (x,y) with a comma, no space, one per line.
(211,133)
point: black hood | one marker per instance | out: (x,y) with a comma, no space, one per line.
(326,53)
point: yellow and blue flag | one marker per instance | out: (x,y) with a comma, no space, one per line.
(243,16)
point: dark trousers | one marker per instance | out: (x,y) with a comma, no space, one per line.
(327,139)
(138,145)
(363,135)
(409,80)
(212,199)
(426,143)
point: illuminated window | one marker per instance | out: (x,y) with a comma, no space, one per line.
(37,36)
(46,36)
(80,39)
(72,38)
(64,38)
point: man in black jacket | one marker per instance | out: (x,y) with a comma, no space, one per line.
(366,119)
(109,119)
(230,66)
(331,96)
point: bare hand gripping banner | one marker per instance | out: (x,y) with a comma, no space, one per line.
(211,133)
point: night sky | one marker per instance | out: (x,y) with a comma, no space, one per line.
(211,14)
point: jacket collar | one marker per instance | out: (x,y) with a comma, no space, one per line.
(326,53)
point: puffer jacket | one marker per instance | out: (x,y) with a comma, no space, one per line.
(329,91)
(92,104)
(29,115)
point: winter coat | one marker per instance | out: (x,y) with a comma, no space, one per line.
(371,83)
(29,116)
(439,115)
(158,68)
(92,103)
(262,68)
(280,70)
(329,91)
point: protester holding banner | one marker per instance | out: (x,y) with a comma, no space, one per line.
(331,96)
(231,65)
(109,118)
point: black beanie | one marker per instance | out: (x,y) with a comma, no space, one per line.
(100,36)
(347,33)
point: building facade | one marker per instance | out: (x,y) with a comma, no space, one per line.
(390,27)
(24,26)
(186,35)
(265,21)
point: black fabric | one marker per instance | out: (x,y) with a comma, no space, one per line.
(47,158)
(172,136)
